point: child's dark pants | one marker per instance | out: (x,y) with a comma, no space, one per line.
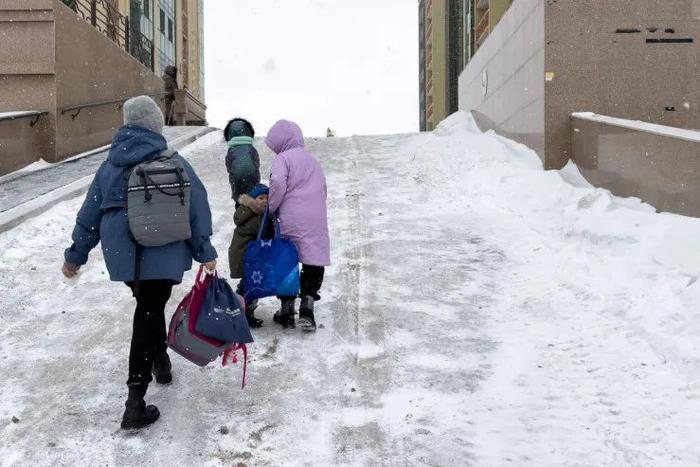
(311,281)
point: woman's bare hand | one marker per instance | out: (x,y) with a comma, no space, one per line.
(70,270)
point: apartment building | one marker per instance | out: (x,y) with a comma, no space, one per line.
(480,18)
(450,32)
(441,58)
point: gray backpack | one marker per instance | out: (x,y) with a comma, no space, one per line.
(158,201)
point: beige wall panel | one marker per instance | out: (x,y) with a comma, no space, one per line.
(27,81)
(21,144)
(510,65)
(24,5)
(27,39)
(27,92)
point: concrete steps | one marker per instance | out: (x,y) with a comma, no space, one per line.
(26,195)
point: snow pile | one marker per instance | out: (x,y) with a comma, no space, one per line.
(41,164)
(458,122)
(600,275)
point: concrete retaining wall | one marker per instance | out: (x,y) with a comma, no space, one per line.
(660,165)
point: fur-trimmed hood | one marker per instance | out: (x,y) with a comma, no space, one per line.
(251,203)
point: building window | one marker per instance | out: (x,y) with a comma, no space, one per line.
(141,30)
(147,18)
(168,25)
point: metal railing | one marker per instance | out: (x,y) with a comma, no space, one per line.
(106,18)
(119,103)
(482,29)
(34,115)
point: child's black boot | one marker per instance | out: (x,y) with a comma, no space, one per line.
(285,315)
(306,314)
(253,322)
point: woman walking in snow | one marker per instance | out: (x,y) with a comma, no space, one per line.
(103,218)
(298,199)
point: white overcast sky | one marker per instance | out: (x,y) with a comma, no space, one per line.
(348,64)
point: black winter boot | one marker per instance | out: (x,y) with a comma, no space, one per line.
(285,315)
(162,368)
(253,322)
(306,314)
(137,414)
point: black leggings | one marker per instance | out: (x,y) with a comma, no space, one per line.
(149,337)
(311,281)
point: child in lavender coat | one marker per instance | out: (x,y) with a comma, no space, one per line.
(298,199)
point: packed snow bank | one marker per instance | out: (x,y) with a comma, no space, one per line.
(608,268)
(33,167)
(602,240)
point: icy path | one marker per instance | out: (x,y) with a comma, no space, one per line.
(479,312)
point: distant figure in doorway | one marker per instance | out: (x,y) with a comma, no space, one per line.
(170,78)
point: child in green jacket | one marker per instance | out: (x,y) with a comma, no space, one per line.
(247,218)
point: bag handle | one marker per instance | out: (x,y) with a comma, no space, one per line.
(202,276)
(262,225)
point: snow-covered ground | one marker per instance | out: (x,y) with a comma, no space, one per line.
(479,311)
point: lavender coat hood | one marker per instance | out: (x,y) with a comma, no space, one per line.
(298,194)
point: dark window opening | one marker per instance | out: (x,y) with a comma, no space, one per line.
(685,40)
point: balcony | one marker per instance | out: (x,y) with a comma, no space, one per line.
(106,18)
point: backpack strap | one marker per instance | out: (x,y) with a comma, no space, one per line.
(167,153)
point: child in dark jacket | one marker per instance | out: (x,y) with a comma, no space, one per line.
(242,159)
(247,218)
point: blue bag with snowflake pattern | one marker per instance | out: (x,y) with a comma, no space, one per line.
(270,267)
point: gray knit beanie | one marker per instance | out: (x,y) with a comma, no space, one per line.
(144,112)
